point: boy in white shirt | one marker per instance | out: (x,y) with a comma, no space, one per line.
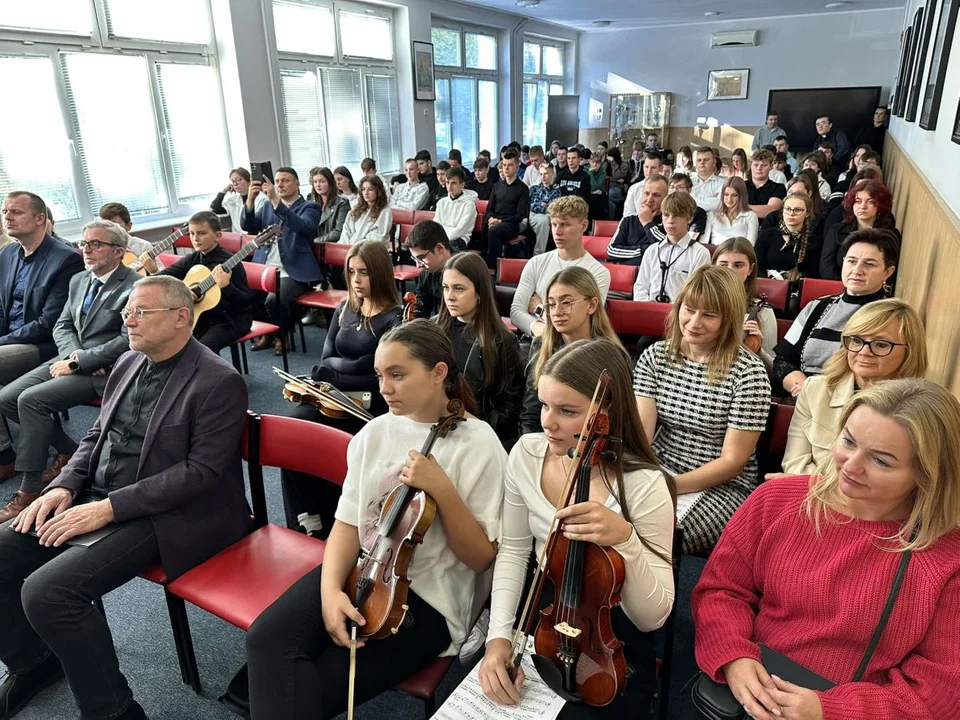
(413,194)
(457,211)
(665,266)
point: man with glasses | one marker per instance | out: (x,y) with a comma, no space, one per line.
(430,248)
(159,475)
(35,274)
(90,337)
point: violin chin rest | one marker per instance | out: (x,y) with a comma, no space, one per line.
(553,677)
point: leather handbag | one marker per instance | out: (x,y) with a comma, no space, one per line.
(716,701)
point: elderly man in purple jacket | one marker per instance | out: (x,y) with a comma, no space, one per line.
(159,471)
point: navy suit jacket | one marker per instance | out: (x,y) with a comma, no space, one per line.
(190,480)
(300,222)
(45,294)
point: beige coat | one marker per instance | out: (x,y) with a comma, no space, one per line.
(4,238)
(815,424)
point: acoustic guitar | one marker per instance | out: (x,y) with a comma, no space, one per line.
(135,262)
(200,279)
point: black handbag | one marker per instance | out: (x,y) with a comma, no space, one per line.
(716,701)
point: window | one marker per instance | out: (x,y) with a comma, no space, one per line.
(466,85)
(339,94)
(543,68)
(159,147)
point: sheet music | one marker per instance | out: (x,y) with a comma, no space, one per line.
(537,701)
(685,502)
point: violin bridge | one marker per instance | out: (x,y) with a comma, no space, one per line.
(567,630)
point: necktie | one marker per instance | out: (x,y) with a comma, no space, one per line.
(91,296)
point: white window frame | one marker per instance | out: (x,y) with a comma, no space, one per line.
(541,76)
(27,43)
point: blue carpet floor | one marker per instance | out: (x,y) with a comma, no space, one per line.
(141,628)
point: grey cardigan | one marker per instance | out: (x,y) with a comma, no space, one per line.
(332,219)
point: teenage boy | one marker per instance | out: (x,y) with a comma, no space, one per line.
(637,232)
(457,212)
(766,134)
(560,160)
(763,194)
(441,191)
(782,144)
(413,194)
(509,207)
(531,176)
(540,198)
(481,183)
(427,175)
(652,163)
(368,166)
(831,173)
(573,179)
(666,266)
(455,158)
(707,185)
(680,182)
(118,213)
(568,222)
(430,248)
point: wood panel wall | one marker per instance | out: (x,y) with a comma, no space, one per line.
(929,277)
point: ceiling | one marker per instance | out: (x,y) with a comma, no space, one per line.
(627,14)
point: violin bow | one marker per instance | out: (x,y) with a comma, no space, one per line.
(353,669)
(342,404)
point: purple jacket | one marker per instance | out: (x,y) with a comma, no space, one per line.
(190,480)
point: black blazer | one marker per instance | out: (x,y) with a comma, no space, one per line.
(45,294)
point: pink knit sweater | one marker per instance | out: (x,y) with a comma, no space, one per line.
(817,600)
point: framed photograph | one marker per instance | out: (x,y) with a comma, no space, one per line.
(922,42)
(899,103)
(911,65)
(956,127)
(423,77)
(728,84)
(942,41)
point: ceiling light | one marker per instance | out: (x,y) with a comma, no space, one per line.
(835,5)
(602,23)
(528,3)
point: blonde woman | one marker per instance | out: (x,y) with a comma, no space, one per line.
(710,397)
(573,311)
(733,216)
(882,341)
(807,564)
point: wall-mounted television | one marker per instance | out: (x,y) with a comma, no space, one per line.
(850,109)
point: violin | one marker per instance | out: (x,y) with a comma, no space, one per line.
(327,399)
(410,306)
(576,651)
(750,341)
(378,585)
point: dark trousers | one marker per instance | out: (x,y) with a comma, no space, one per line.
(217,337)
(277,307)
(297,672)
(46,605)
(498,238)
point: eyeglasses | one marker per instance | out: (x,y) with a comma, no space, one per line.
(794,211)
(138,312)
(880,348)
(565,306)
(95,244)
(421,259)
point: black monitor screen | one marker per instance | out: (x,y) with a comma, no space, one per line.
(849,108)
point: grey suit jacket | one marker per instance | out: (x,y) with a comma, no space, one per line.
(190,480)
(100,337)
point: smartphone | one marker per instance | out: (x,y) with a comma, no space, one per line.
(259,169)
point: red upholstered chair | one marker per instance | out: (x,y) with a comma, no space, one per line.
(169,259)
(481,206)
(509,269)
(782,327)
(405,229)
(420,215)
(777,292)
(605,228)
(233,241)
(424,684)
(596,245)
(622,278)
(335,255)
(712,249)
(478,225)
(402,217)
(240,582)
(782,415)
(813,288)
(262,278)
(638,318)
(183,242)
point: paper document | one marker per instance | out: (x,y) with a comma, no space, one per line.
(685,502)
(537,701)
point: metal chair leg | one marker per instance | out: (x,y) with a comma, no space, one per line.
(235,358)
(243,358)
(189,671)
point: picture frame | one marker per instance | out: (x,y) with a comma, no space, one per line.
(900,101)
(922,42)
(728,84)
(943,39)
(424,76)
(956,127)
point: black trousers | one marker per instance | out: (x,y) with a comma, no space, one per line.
(498,237)
(46,605)
(277,307)
(297,672)
(217,337)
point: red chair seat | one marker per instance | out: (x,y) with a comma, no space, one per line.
(424,684)
(596,246)
(242,581)
(155,574)
(405,273)
(517,240)
(323,299)
(259,329)
(96,402)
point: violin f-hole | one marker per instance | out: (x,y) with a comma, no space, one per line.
(387,566)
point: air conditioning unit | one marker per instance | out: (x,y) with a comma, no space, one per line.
(736,38)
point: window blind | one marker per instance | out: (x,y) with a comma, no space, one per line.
(464,116)
(343,104)
(384,121)
(441,107)
(365,36)
(305,128)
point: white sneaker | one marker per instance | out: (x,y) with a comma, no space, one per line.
(478,637)
(311,523)
(307,319)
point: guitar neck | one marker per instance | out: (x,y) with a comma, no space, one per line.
(168,242)
(228,265)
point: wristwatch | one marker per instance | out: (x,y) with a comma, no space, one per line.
(73,365)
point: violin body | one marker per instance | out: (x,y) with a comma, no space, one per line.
(293,393)
(754,342)
(590,667)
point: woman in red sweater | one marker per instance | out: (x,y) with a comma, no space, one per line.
(806,564)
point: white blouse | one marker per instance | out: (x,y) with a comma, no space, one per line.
(720,228)
(364,228)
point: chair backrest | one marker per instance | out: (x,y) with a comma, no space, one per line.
(334,253)
(481,206)
(813,288)
(712,249)
(420,215)
(777,292)
(596,246)
(404,232)
(233,241)
(402,217)
(504,298)
(265,278)
(622,278)
(169,259)
(782,327)
(509,270)
(183,242)
(478,224)
(782,415)
(638,318)
(605,228)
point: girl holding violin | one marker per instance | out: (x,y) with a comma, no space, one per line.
(297,650)
(630,510)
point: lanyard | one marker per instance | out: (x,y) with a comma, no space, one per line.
(665,268)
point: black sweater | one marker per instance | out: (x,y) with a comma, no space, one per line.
(429,293)
(772,255)
(510,202)
(235,309)
(577,183)
(347,359)
(482,189)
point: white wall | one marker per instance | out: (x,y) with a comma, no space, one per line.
(934,153)
(806,51)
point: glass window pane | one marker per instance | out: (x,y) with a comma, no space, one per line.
(64,16)
(184,21)
(446,47)
(481,51)
(306,29)
(488,115)
(556,89)
(366,36)
(534,113)
(43,164)
(383,115)
(441,111)
(552,60)
(465,115)
(304,119)
(196,139)
(344,116)
(531,58)
(119,151)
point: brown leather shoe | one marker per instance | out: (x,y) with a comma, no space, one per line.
(7,472)
(278,347)
(52,472)
(262,343)
(16,504)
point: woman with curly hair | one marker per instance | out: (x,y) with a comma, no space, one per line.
(866,205)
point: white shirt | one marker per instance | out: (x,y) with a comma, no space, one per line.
(475,462)
(681,259)
(777,176)
(363,228)
(824,187)
(410,196)
(707,192)
(233,204)
(648,590)
(459,216)
(719,228)
(631,206)
(536,277)
(531,176)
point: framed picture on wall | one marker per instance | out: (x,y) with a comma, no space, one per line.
(946,26)
(923,22)
(911,64)
(727,84)
(423,77)
(897,107)
(956,127)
